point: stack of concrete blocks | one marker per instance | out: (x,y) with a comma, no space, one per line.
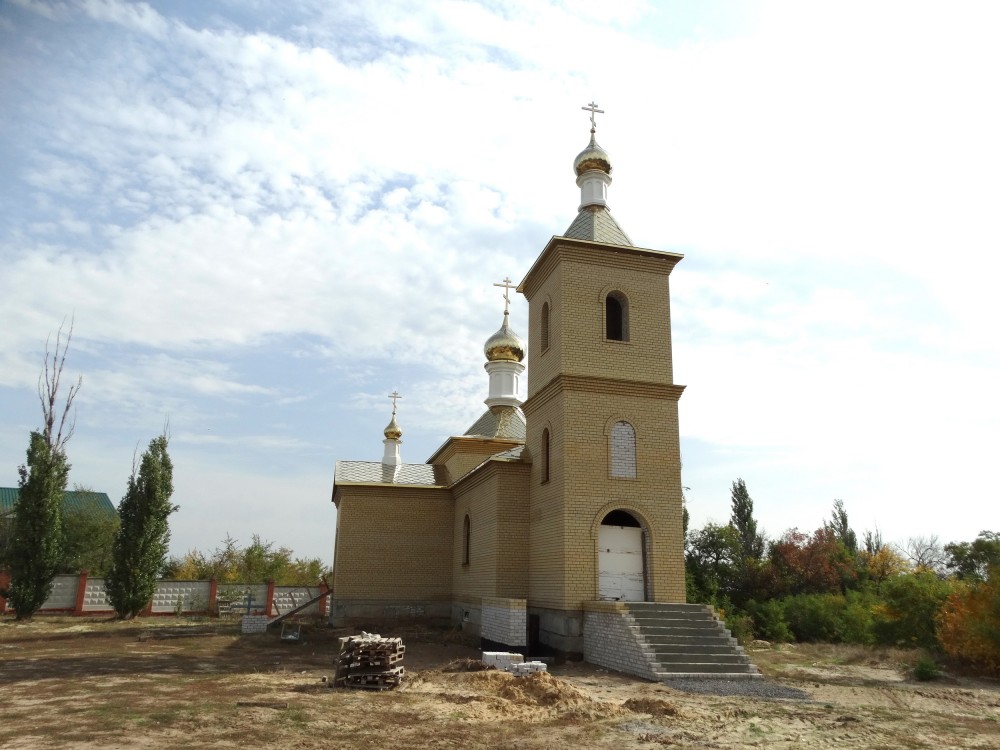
(526,668)
(513,663)
(501,659)
(254,624)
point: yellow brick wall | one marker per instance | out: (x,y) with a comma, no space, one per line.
(545,365)
(393,543)
(513,511)
(478,501)
(546,533)
(496,501)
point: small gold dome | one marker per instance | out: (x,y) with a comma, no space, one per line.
(504,345)
(592,158)
(392,431)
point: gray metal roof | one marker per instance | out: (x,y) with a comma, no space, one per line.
(505,422)
(596,223)
(375,472)
(514,454)
(95,504)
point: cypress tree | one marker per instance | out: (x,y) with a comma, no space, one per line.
(35,550)
(751,543)
(35,546)
(140,548)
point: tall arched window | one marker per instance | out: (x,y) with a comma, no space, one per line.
(623,450)
(466,540)
(616,317)
(545,455)
(545,326)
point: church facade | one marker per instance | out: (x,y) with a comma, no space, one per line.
(548,508)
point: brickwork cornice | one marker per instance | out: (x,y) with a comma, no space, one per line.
(603,386)
(561,249)
(471,444)
(486,470)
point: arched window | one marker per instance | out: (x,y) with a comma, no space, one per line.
(623,450)
(545,326)
(616,317)
(545,455)
(466,540)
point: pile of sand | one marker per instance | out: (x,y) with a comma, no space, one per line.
(538,689)
(466,665)
(652,706)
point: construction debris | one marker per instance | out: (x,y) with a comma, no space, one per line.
(370,661)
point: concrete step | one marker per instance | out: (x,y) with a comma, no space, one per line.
(708,639)
(698,667)
(675,619)
(669,647)
(673,657)
(661,629)
(671,609)
(666,676)
(688,640)
(667,606)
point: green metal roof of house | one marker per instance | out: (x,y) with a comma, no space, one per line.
(91,503)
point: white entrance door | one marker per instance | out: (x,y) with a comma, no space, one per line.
(620,562)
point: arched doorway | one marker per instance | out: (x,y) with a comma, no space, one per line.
(621,558)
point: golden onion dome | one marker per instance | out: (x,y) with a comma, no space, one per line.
(592,158)
(392,430)
(504,345)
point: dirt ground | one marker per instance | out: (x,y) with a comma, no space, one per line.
(83,683)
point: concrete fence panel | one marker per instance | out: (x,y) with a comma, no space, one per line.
(187,597)
(63,594)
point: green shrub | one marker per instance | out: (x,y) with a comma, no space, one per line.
(741,626)
(815,617)
(906,615)
(769,620)
(858,620)
(926,669)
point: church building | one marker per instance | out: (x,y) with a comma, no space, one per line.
(557,508)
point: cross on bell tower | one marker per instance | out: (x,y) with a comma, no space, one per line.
(592,108)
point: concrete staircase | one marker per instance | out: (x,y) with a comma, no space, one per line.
(688,640)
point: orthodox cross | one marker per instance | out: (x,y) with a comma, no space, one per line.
(592,108)
(507,286)
(394,395)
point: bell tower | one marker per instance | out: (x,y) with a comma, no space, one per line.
(602,426)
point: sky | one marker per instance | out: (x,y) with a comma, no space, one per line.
(262,217)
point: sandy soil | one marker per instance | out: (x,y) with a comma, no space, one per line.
(72,683)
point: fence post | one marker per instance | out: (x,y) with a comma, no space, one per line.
(213,592)
(81,592)
(269,607)
(4,584)
(325,589)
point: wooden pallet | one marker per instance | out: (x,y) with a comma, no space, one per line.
(366,662)
(381,680)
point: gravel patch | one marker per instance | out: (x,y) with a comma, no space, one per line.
(750,688)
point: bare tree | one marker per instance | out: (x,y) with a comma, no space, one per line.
(48,392)
(925,553)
